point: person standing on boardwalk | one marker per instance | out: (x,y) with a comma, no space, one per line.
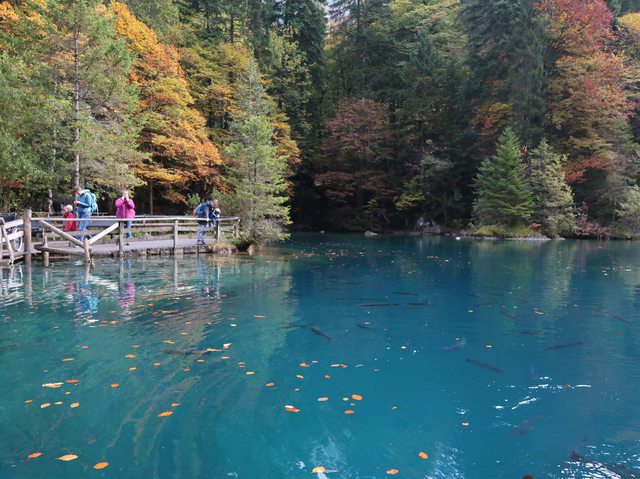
(126,208)
(84,205)
(68,213)
(209,212)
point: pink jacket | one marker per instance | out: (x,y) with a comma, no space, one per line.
(125,208)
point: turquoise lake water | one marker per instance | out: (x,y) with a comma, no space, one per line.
(501,404)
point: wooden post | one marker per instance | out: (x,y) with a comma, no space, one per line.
(175,236)
(120,238)
(87,251)
(218,231)
(45,243)
(27,235)
(6,239)
(1,243)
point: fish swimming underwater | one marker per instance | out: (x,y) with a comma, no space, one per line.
(376,304)
(184,352)
(619,470)
(515,318)
(459,345)
(529,332)
(319,332)
(365,327)
(568,345)
(523,428)
(486,366)
(531,375)
(619,318)
(408,294)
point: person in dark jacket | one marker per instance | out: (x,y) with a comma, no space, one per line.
(209,212)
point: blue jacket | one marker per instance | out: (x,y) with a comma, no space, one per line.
(84,201)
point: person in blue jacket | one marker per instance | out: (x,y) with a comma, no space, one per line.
(209,212)
(84,207)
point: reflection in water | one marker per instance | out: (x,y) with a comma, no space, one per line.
(104,330)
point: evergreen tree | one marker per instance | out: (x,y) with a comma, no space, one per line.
(502,196)
(553,200)
(257,169)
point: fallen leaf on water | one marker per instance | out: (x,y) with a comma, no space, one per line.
(349,411)
(357,397)
(269,384)
(115,385)
(224,357)
(52,385)
(258,316)
(250,372)
(297,389)
(42,406)
(156,364)
(241,363)
(73,380)
(68,359)
(392,471)
(345,399)
(343,365)
(75,404)
(59,402)
(170,342)
(304,365)
(135,346)
(30,400)
(166,413)
(188,369)
(465,423)
(298,376)
(130,356)
(319,469)
(423,455)
(323,399)
(291,409)
(68,457)
(35,454)
(326,376)
(175,404)
(101,465)
(335,365)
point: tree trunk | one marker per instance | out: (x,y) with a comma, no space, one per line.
(76,104)
(151,197)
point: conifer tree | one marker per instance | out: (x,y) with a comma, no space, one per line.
(552,197)
(257,169)
(501,195)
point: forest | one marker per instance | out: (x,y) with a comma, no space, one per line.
(351,115)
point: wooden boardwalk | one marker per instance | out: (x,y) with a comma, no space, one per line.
(151,235)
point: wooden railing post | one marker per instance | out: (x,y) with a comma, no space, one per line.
(87,250)
(218,231)
(45,243)
(120,238)
(175,236)
(1,242)
(6,239)
(27,235)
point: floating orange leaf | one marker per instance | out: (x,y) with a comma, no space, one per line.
(115,385)
(323,399)
(298,376)
(250,372)
(101,465)
(335,365)
(52,385)
(258,316)
(465,423)
(166,413)
(357,397)
(135,346)
(68,457)
(291,409)
(270,384)
(73,380)
(68,359)
(349,411)
(130,356)
(392,471)
(35,454)
(241,363)
(175,404)
(168,341)
(30,400)
(156,364)
(423,455)
(59,402)
(326,376)
(42,406)
(304,365)
(319,469)
(75,404)
(343,365)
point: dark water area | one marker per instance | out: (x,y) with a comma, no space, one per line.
(492,359)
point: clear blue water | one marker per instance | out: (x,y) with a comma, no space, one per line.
(416,397)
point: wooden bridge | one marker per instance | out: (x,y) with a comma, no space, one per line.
(106,236)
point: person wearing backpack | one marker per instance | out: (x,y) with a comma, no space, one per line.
(209,212)
(85,205)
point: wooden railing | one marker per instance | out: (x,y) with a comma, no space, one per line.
(12,242)
(111,230)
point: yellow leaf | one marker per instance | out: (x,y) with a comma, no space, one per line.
(392,471)
(319,469)
(101,465)
(356,397)
(323,399)
(75,404)
(35,454)
(68,457)
(175,404)
(130,356)
(42,406)
(166,413)
(52,385)
(250,372)
(298,376)
(423,455)
(68,359)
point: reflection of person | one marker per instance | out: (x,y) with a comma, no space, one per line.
(209,212)
(126,208)
(68,213)
(83,205)
(126,298)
